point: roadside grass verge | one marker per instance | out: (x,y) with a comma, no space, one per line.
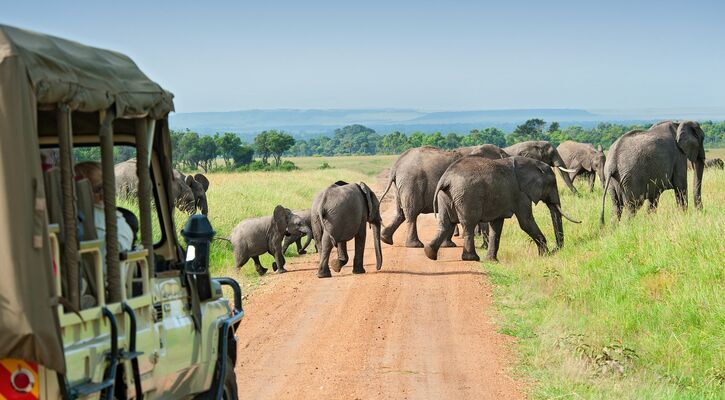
(634,310)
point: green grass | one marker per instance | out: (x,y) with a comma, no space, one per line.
(633,310)
(368,165)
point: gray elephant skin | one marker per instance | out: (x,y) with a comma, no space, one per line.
(545,152)
(414,177)
(584,160)
(255,236)
(189,191)
(642,164)
(306,232)
(476,189)
(340,213)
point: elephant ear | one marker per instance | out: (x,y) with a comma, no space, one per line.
(340,183)
(586,162)
(279,219)
(189,180)
(202,180)
(372,201)
(530,177)
(689,140)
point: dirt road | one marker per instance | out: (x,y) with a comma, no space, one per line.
(417,329)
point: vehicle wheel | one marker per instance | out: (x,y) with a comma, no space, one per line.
(230,382)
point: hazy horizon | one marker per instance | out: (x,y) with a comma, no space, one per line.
(428,56)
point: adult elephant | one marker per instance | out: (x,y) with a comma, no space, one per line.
(584,159)
(545,152)
(255,236)
(189,191)
(340,213)
(642,164)
(414,177)
(476,189)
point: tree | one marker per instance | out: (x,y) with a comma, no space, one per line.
(228,145)
(206,152)
(554,127)
(273,143)
(243,155)
(532,129)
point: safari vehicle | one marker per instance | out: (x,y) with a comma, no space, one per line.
(157,325)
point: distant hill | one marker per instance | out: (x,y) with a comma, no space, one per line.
(308,123)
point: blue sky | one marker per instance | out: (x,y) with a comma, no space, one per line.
(455,55)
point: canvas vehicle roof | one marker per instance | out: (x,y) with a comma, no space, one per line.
(37,74)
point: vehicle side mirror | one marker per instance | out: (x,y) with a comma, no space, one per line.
(198,234)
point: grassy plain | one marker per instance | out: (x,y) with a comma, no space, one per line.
(634,310)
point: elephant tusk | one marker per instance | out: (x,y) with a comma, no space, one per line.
(567,170)
(566,216)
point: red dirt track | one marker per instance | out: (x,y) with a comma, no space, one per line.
(417,329)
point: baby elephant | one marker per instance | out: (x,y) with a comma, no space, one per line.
(475,189)
(340,213)
(256,236)
(715,163)
(304,216)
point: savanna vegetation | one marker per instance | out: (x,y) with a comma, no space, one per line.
(633,310)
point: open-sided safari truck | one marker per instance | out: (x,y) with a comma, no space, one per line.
(78,317)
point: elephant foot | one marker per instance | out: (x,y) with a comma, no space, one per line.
(386,238)
(324,274)
(430,253)
(281,270)
(261,271)
(448,243)
(414,243)
(470,257)
(360,270)
(302,252)
(336,265)
(274,266)
(491,258)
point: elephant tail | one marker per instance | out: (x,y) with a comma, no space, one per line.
(604,198)
(390,183)
(442,185)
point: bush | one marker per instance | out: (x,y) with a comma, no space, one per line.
(325,165)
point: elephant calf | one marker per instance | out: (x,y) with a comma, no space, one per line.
(715,163)
(256,236)
(475,189)
(341,213)
(304,216)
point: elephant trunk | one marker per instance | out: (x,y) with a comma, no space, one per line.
(204,206)
(556,214)
(378,250)
(561,166)
(600,172)
(698,166)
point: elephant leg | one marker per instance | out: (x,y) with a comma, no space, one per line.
(679,183)
(653,201)
(448,242)
(287,242)
(456,232)
(413,240)
(592,177)
(469,247)
(386,235)
(357,262)
(494,238)
(325,247)
(308,239)
(528,225)
(483,228)
(445,230)
(242,261)
(342,257)
(617,203)
(279,261)
(632,205)
(258,266)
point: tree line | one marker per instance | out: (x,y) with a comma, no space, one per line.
(194,151)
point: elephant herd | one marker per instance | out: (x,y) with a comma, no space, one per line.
(476,187)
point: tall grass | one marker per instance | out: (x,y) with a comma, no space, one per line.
(633,310)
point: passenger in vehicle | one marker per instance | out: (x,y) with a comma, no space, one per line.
(91,170)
